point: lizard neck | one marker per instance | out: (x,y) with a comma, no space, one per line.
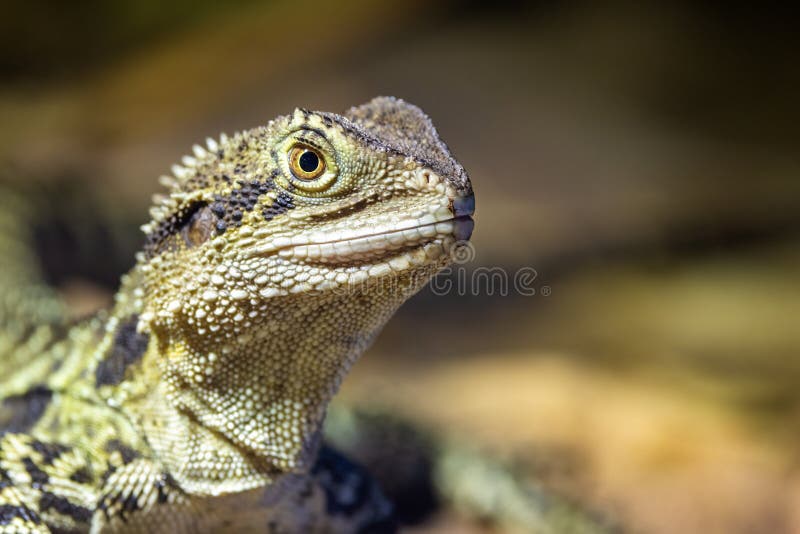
(231,413)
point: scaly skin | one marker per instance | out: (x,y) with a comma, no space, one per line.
(195,403)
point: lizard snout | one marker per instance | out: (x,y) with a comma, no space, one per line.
(463,209)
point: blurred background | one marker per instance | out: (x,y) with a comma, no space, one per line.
(642,160)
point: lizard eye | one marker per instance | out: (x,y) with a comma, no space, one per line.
(309,164)
(306,163)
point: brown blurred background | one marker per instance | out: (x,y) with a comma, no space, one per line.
(644,161)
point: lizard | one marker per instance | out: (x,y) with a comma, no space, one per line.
(195,402)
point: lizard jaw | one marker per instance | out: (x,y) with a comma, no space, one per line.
(371,246)
(337,246)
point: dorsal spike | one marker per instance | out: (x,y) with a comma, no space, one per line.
(181,173)
(199,151)
(156,213)
(165,201)
(168,181)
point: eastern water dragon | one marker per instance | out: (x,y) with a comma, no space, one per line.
(195,403)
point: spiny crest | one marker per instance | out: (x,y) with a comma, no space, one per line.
(165,205)
(215,158)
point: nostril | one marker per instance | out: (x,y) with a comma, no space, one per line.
(464,206)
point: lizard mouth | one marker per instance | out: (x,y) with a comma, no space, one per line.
(369,246)
(377,245)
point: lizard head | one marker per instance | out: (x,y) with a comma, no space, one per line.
(325,200)
(279,252)
(312,203)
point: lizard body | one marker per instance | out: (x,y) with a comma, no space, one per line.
(195,403)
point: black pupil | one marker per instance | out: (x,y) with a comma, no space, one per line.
(308,161)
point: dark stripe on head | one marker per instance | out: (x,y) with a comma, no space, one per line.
(230,208)
(283,203)
(163,238)
(19,413)
(128,348)
(200,221)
